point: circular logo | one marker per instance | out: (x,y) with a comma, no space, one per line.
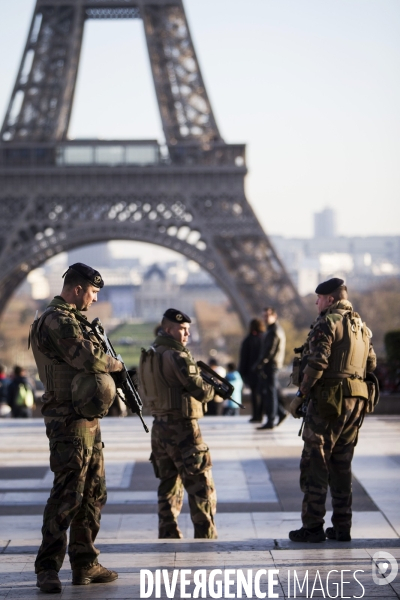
(96,279)
(381,574)
(179,317)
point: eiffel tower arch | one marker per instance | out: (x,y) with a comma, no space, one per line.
(57,194)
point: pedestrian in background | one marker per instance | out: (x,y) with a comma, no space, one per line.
(249,353)
(234,378)
(5,410)
(4,381)
(268,365)
(20,394)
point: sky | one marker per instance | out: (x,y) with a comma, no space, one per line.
(311,86)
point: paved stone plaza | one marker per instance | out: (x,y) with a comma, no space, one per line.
(256,475)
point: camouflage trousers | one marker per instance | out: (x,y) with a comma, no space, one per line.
(76,499)
(181,460)
(326,461)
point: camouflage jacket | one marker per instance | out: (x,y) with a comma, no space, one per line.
(323,340)
(62,336)
(179,373)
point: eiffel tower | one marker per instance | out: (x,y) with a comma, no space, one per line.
(58,194)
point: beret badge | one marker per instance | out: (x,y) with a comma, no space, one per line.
(176,316)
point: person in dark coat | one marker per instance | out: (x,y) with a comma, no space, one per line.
(269,362)
(249,353)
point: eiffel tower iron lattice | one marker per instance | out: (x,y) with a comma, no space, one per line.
(57,194)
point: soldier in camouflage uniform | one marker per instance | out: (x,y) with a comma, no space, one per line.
(78,391)
(336,357)
(171,385)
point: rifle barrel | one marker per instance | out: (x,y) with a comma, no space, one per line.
(129,395)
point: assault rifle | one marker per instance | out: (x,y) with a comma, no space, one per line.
(126,391)
(221,385)
(299,364)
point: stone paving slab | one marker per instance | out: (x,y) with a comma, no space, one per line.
(253,519)
(17,579)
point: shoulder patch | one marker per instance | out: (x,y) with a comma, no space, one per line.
(192,370)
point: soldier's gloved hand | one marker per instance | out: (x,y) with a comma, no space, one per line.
(119,377)
(295,403)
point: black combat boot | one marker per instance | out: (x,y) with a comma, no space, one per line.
(312,536)
(340,535)
(267,425)
(282,417)
(48,581)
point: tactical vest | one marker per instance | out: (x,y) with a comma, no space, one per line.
(348,360)
(349,355)
(157,394)
(55,375)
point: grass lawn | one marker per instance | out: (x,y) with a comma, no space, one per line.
(129,338)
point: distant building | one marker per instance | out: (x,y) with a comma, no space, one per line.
(133,290)
(362,261)
(161,290)
(121,283)
(325,224)
(136,290)
(155,295)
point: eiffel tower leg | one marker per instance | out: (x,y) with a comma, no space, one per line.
(185,109)
(41,102)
